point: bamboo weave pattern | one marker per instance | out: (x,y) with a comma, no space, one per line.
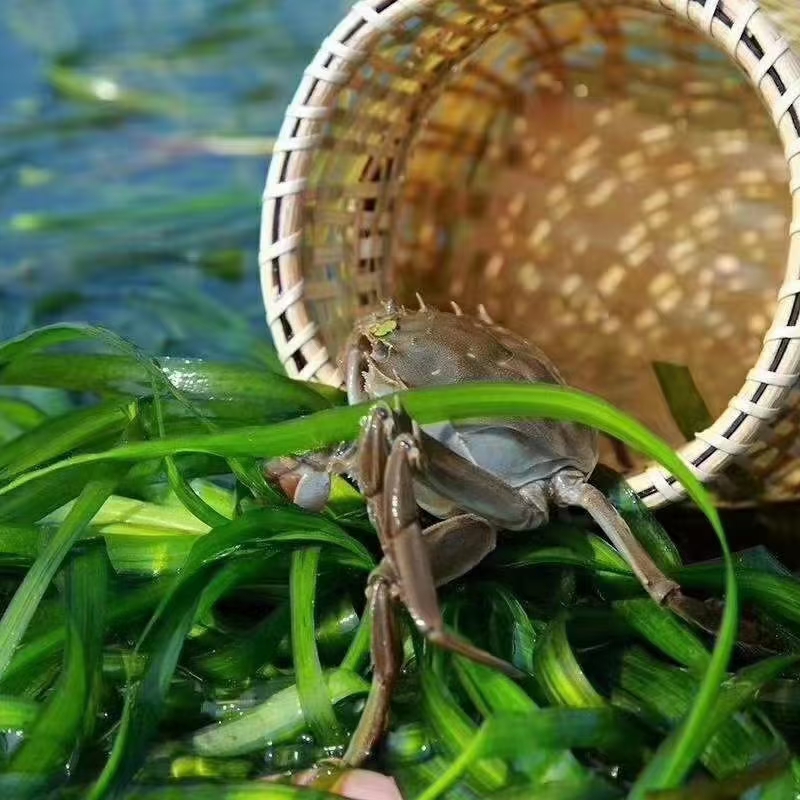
(598,174)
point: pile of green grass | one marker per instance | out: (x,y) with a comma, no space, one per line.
(173,627)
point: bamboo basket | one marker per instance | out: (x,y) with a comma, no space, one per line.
(599,174)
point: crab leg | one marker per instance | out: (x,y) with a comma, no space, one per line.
(572,489)
(405,548)
(386,660)
(454,547)
(373,453)
(453,476)
(442,552)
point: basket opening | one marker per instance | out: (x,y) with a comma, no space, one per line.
(598,175)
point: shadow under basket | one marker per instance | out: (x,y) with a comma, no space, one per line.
(601,176)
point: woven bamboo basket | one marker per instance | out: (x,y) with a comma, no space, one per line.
(599,174)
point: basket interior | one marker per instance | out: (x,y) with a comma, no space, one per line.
(598,175)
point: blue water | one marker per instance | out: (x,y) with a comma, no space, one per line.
(114,207)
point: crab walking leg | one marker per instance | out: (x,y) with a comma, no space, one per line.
(454,547)
(372,455)
(457,545)
(405,549)
(571,489)
(386,662)
(468,536)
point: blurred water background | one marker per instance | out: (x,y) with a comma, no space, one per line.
(134,141)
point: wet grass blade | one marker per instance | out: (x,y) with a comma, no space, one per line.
(311,688)
(280,719)
(87,586)
(19,544)
(70,710)
(190,499)
(512,735)
(778,595)
(492,693)
(233,385)
(358,652)
(743,687)
(773,774)
(263,527)
(144,703)
(664,631)
(243,659)
(18,416)
(735,742)
(454,731)
(32,343)
(22,607)
(45,752)
(30,658)
(590,789)
(685,403)
(33,501)
(524,634)
(17,713)
(557,671)
(560,545)
(257,533)
(191,597)
(58,436)
(643,523)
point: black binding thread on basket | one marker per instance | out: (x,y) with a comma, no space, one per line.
(754,46)
(719,13)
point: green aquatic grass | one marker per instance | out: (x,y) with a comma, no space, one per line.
(226,633)
(315,702)
(163,635)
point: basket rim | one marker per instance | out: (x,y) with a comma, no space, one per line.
(742,28)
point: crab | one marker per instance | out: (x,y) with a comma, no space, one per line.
(477,477)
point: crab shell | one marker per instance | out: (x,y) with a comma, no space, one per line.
(414,349)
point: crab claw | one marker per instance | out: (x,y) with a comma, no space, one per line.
(305,485)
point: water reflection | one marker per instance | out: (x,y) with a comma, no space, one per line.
(134,139)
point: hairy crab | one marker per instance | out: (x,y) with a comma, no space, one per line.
(477,477)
